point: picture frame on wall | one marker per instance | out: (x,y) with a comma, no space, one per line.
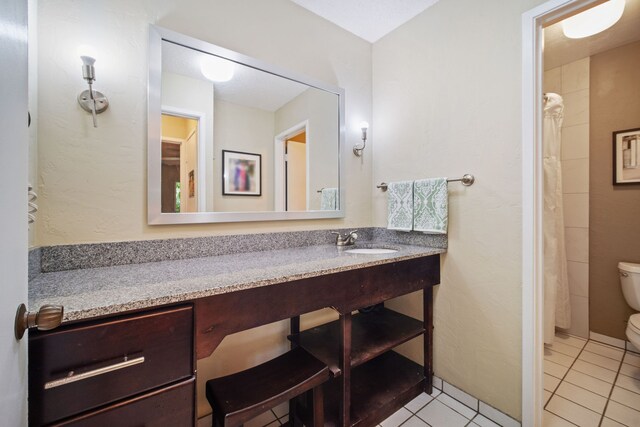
(626,157)
(241,173)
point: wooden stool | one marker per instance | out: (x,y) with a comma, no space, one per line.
(237,398)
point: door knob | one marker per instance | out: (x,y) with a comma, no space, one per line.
(47,318)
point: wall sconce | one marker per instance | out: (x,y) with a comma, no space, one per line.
(358,150)
(91,100)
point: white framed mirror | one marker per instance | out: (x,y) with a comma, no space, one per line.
(232,138)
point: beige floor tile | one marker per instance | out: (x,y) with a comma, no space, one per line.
(457,406)
(623,414)
(589,383)
(594,371)
(550,383)
(626,397)
(630,371)
(628,383)
(632,359)
(418,403)
(482,421)
(573,412)
(552,420)
(605,350)
(559,358)
(400,416)
(415,422)
(582,397)
(281,410)
(599,360)
(437,414)
(563,348)
(607,422)
(554,369)
(571,340)
(547,395)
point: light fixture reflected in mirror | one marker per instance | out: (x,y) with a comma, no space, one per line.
(356,149)
(594,20)
(217,69)
(90,100)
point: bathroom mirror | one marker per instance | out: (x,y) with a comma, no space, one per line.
(234,139)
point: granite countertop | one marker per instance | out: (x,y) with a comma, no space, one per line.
(93,292)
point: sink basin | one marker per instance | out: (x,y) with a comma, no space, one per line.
(371,251)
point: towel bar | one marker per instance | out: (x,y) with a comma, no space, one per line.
(466,179)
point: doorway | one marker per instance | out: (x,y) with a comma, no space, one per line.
(292,168)
(576,202)
(183,172)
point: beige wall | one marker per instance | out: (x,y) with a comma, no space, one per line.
(614,211)
(92,182)
(572,82)
(447,102)
(193,95)
(250,130)
(319,108)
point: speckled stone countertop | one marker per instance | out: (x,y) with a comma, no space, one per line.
(92,292)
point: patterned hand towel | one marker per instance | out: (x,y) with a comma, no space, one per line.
(400,196)
(431,205)
(329,199)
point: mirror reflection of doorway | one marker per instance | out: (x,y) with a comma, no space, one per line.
(179,164)
(296,172)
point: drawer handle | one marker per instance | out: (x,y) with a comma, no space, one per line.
(73,377)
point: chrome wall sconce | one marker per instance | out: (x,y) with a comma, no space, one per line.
(356,149)
(91,100)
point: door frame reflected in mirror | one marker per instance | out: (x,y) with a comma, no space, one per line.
(154,146)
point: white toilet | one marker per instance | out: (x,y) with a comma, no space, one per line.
(630,281)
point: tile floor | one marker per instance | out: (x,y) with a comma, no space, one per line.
(435,410)
(590,384)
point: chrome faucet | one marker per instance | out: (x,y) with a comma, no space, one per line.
(347,239)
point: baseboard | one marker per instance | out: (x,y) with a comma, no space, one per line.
(615,342)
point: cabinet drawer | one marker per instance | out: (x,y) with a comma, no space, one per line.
(172,406)
(81,367)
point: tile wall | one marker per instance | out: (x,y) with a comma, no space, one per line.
(572,82)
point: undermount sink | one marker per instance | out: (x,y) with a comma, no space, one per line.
(371,251)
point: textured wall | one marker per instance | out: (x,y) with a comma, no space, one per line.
(92,182)
(447,102)
(614,210)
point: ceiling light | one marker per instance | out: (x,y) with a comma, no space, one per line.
(217,69)
(594,20)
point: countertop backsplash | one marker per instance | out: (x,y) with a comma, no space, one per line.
(92,255)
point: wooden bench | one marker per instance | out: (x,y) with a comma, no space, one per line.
(237,398)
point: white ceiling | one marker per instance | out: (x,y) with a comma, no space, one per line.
(369,19)
(560,50)
(248,87)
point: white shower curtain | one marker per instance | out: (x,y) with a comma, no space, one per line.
(557,308)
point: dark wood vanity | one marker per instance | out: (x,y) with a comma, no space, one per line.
(138,368)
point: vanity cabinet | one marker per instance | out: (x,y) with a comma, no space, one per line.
(126,371)
(379,380)
(370,381)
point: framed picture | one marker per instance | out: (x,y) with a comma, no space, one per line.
(626,157)
(241,173)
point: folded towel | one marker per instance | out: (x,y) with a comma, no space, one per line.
(400,206)
(431,206)
(329,199)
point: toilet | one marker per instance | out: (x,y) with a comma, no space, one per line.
(630,281)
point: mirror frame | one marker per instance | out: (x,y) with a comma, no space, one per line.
(154,147)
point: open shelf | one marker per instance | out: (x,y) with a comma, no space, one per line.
(378,389)
(372,334)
